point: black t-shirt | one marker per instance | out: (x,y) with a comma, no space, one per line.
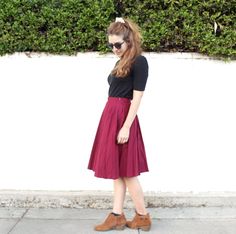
(136,80)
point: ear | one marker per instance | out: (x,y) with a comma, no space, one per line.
(128,42)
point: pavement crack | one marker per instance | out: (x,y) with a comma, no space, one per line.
(22,216)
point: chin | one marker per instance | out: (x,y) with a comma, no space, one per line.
(119,55)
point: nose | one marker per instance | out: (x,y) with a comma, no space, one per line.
(114,49)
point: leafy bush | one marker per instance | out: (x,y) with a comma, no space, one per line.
(62,26)
(186,25)
(69,26)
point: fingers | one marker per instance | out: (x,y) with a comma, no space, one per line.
(123,136)
(122,140)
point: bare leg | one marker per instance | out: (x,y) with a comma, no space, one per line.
(119,195)
(136,193)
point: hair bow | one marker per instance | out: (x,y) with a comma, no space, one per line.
(120,19)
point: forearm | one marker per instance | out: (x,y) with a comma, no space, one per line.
(137,96)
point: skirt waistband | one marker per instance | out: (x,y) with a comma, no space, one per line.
(119,99)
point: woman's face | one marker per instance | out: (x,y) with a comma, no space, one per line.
(118,43)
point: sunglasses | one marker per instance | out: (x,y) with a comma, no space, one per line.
(117,45)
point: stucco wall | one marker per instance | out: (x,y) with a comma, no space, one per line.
(50,107)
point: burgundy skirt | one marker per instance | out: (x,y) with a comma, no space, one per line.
(109,159)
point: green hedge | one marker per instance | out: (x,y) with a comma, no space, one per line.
(62,26)
(69,26)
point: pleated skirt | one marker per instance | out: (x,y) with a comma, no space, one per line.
(109,159)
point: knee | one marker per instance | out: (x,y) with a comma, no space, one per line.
(130,179)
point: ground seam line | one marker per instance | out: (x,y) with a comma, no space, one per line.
(23,215)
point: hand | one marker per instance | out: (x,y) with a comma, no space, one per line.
(123,135)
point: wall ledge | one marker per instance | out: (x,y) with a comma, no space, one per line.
(163,55)
(104,199)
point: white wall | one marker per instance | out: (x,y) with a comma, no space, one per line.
(50,107)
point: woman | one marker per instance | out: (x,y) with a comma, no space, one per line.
(118,151)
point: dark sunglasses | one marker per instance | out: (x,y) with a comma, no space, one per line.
(117,45)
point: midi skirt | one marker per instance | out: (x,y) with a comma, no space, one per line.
(109,159)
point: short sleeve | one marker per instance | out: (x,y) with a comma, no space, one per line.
(140,73)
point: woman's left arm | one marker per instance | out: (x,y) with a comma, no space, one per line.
(123,134)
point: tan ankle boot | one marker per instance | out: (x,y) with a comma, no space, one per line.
(112,222)
(140,222)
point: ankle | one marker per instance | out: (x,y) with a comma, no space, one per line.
(116,214)
(143,213)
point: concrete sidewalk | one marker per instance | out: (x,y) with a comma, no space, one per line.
(208,220)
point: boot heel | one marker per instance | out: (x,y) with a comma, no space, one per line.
(145,228)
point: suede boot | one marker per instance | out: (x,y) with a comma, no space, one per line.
(142,222)
(112,222)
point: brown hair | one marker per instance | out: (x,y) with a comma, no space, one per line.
(131,35)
